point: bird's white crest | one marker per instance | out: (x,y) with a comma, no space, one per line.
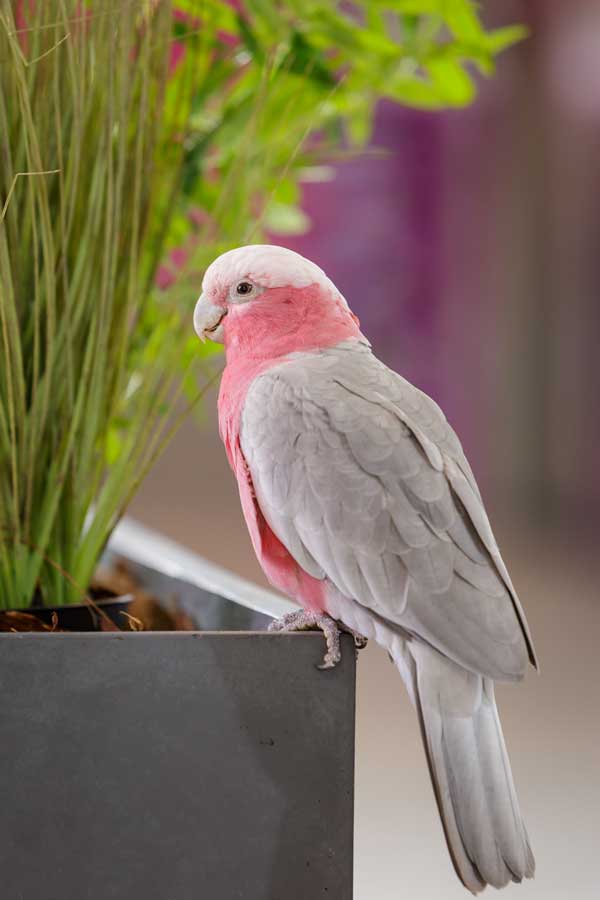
(267,265)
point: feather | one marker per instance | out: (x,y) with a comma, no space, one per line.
(470,772)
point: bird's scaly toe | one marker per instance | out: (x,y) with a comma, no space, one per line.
(304,619)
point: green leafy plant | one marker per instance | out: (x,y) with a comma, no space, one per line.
(136,141)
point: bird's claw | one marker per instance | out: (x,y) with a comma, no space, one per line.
(304,619)
(360,641)
(331,659)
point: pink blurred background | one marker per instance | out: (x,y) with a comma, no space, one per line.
(470,253)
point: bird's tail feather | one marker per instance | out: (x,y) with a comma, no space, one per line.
(470,771)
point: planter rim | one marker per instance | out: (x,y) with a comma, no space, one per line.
(134,635)
(118,598)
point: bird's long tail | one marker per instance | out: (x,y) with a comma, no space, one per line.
(470,770)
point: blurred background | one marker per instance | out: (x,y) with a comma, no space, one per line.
(469,251)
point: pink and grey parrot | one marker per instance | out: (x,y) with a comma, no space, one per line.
(363,509)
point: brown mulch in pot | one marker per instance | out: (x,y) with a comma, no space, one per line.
(145,613)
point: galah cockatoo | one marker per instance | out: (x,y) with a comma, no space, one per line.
(362,507)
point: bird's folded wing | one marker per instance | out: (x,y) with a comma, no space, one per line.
(362,479)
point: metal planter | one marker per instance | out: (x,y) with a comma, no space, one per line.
(171,766)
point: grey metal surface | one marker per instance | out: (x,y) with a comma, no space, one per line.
(207,609)
(210,594)
(175,766)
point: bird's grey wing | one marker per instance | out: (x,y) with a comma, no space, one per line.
(358,492)
(424,415)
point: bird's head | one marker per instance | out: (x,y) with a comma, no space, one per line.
(266,301)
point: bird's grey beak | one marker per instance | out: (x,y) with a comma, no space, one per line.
(208,320)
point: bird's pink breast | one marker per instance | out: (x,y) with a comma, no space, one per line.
(279,566)
(257,338)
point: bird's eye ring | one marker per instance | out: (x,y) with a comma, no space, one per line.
(244,287)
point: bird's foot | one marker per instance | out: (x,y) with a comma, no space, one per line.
(360,641)
(304,619)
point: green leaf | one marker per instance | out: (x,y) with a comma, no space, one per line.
(450,81)
(113,446)
(286,191)
(307,61)
(414,90)
(249,38)
(218,15)
(285,219)
(462,20)
(360,122)
(501,38)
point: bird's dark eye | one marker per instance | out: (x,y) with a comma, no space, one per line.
(244,287)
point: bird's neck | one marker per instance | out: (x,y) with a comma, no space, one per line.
(259,335)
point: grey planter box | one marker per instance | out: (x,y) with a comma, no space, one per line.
(176,766)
